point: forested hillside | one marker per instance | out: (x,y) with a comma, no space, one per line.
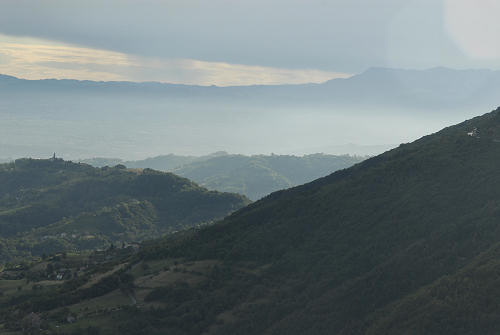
(259,175)
(253,176)
(402,243)
(55,205)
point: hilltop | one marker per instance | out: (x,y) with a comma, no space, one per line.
(405,242)
(55,205)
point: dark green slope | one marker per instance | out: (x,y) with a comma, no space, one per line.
(465,302)
(402,243)
(348,245)
(46,205)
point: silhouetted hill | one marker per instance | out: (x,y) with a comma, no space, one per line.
(54,205)
(405,242)
(436,88)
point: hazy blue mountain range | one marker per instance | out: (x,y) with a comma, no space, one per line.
(253,176)
(437,88)
(406,242)
(137,120)
(53,205)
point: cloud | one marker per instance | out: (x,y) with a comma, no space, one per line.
(32,58)
(36,59)
(331,35)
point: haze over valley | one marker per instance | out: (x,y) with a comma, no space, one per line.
(299,167)
(362,115)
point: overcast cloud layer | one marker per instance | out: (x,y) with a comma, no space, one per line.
(33,58)
(323,37)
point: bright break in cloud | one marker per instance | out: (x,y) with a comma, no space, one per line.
(32,58)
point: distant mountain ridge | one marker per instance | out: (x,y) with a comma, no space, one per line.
(253,176)
(438,87)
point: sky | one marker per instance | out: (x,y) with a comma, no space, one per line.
(242,42)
